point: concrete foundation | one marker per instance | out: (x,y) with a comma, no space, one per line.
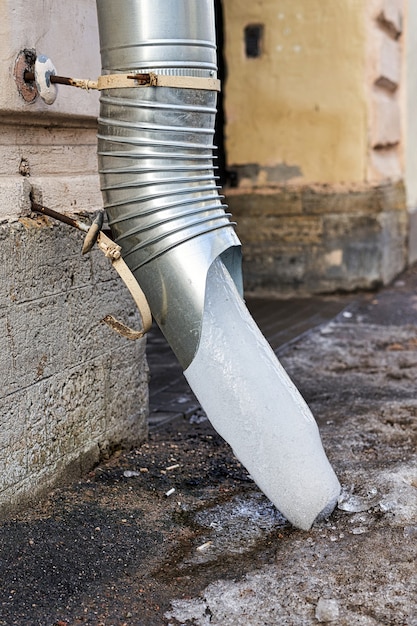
(71,389)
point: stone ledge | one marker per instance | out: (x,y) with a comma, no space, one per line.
(315,199)
(320,238)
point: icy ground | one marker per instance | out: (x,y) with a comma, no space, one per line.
(175,532)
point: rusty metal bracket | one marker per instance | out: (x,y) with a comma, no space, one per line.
(92,233)
(113,252)
(151,79)
(61,217)
(23,67)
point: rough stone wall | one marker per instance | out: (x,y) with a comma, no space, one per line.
(71,389)
(313,239)
(315,139)
(410,122)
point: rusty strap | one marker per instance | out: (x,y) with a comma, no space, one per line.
(126,81)
(112,251)
(123,81)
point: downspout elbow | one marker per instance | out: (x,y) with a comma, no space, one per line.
(162,199)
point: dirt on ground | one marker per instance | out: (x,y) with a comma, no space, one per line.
(118,546)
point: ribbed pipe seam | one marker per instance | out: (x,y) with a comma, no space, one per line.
(155,150)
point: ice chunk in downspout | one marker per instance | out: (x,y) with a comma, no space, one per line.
(253,404)
(165,211)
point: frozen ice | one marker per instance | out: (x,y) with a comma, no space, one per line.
(327,610)
(387,505)
(255,407)
(410,532)
(130,474)
(351,503)
(236,526)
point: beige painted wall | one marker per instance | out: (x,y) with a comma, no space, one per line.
(300,110)
(315,138)
(410,105)
(410,108)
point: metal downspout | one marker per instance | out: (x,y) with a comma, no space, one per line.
(165,211)
(155,160)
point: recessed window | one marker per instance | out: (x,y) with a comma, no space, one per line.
(253,35)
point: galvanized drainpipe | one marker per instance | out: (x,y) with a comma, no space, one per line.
(165,211)
(155,159)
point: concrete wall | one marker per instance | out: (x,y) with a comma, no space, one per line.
(70,388)
(410,123)
(316,115)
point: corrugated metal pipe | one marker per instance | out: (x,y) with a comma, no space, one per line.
(165,211)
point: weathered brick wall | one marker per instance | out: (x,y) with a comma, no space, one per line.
(312,239)
(71,388)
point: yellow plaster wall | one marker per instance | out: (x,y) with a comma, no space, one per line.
(302,104)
